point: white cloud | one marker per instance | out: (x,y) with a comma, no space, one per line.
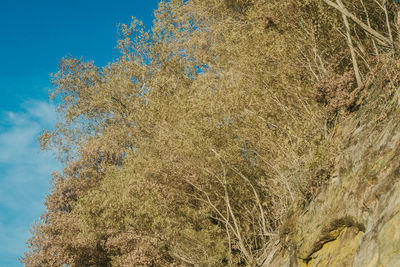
(24,174)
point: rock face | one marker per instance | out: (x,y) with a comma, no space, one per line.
(355,219)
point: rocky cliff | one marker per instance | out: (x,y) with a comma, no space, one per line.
(355,219)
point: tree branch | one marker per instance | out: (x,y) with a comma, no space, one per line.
(351,47)
(380,38)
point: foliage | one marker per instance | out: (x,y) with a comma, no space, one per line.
(192,146)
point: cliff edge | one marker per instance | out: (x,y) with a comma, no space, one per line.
(355,219)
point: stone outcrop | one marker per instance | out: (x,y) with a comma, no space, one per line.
(355,218)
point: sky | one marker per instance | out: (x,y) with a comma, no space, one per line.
(34,36)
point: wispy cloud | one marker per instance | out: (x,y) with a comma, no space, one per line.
(24,175)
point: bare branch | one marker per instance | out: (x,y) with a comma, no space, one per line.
(380,38)
(369,25)
(389,29)
(351,47)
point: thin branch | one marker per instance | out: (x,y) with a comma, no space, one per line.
(369,25)
(380,38)
(255,195)
(389,29)
(351,47)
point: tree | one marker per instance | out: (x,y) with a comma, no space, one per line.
(191,148)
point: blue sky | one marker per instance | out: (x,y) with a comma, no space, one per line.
(35,35)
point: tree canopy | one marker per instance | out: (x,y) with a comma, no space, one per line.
(190,149)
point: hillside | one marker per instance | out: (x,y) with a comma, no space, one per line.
(354,219)
(231,133)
